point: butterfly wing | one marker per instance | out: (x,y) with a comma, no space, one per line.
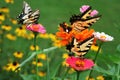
(81,48)
(28,16)
(86,14)
(65,27)
(84,23)
(26,8)
(32,18)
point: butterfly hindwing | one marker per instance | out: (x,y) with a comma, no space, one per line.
(86,14)
(81,48)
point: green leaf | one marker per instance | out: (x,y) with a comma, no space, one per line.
(114,58)
(110,71)
(28,77)
(118,48)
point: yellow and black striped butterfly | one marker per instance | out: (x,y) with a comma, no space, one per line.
(65,27)
(28,16)
(83,21)
(80,48)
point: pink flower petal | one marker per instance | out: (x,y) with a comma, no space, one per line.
(83,64)
(36,28)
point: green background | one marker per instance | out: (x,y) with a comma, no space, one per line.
(53,12)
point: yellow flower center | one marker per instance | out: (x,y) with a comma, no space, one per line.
(80,63)
(103,37)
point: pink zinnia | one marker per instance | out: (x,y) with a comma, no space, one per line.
(79,64)
(36,28)
(84,8)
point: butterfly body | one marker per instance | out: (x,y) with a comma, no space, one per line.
(28,16)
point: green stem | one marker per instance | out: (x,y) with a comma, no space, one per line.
(95,59)
(35,36)
(34,54)
(48,68)
(118,71)
(78,73)
(65,74)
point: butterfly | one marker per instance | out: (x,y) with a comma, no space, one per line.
(65,27)
(83,21)
(28,16)
(80,48)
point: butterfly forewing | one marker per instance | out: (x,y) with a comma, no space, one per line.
(26,8)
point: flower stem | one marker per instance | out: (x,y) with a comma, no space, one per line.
(48,68)
(66,72)
(95,59)
(33,55)
(35,36)
(78,73)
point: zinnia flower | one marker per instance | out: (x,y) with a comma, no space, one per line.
(79,64)
(103,37)
(36,28)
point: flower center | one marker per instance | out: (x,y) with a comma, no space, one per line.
(80,63)
(103,37)
(35,28)
(14,63)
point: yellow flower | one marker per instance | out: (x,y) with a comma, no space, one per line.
(32,47)
(6,27)
(29,35)
(18,54)
(11,66)
(13,21)
(95,48)
(10,36)
(45,36)
(90,78)
(64,63)
(42,56)
(41,73)
(100,78)
(39,64)
(52,37)
(57,43)
(20,31)
(2,17)
(9,1)
(65,55)
(4,10)
(71,71)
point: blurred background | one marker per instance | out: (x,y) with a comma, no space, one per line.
(52,13)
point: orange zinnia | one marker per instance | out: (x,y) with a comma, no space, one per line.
(64,36)
(84,34)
